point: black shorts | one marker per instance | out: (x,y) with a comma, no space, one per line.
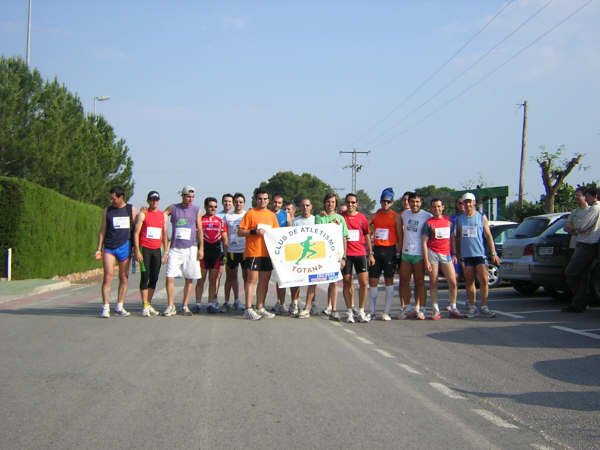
(259,264)
(212,256)
(385,261)
(233,259)
(472,262)
(359,263)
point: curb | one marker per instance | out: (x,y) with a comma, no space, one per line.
(50,287)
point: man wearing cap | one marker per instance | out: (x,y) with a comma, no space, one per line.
(149,235)
(385,226)
(187,248)
(256,256)
(114,245)
(470,231)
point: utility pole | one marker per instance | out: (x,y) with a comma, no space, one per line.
(523,151)
(28,34)
(354,166)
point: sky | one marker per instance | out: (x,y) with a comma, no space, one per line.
(223,94)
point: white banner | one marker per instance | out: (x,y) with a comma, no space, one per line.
(304,255)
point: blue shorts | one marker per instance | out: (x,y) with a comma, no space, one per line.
(121,253)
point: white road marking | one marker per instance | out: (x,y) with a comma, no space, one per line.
(364,340)
(514,316)
(592,329)
(335,324)
(409,369)
(536,311)
(348,331)
(498,421)
(446,391)
(384,353)
(579,332)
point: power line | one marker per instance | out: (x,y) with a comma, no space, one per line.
(461,74)
(435,72)
(490,73)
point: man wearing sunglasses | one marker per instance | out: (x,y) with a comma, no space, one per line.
(149,235)
(385,224)
(256,256)
(215,238)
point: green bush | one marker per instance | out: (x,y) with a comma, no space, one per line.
(49,233)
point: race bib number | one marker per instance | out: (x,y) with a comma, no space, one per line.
(153,232)
(469,231)
(442,233)
(120,223)
(382,234)
(263,226)
(353,235)
(185,234)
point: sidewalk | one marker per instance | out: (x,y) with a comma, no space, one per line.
(10,290)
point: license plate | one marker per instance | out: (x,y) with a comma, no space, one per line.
(546,251)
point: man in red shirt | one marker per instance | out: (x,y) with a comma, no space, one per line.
(215,234)
(437,251)
(357,256)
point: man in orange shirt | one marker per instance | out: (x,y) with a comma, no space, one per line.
(256,256)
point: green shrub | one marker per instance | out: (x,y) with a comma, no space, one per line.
(49,233)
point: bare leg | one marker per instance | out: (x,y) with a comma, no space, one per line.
(363,288)
(419,277)
(310,296)
(249,286)
(405,274)
(348,291)
(200,286)
(470,284)
(213,279)
(332,294)
(170,291)
(482,276)
(108,261)
(263,287)
(433,283)
(448,271)
(123,279)
(187,290)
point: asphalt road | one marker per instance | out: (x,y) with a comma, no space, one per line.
(529,378)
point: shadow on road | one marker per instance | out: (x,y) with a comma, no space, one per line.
(519,336)
(582,371)
(575,401)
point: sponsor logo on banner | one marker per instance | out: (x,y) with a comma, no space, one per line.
(308,254)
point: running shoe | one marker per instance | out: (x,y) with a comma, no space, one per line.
(153,312)
(237,306)
(198,308)
(105,314)
(212,308)
(326,312)
(349,317)
(169,311)
(186,310)
(335,316)
(146,312)
(435,315)
(385,317)
(448,307)
(278,309)
(472,312)
(294,308)
(251,314)
(362,317)
(265,314)
(420,315)
(122,312)
(304,314)
(225,308)
(456,314)
(486,312)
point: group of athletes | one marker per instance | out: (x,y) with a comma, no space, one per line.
(203,246)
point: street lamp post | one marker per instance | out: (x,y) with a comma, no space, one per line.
(101,98)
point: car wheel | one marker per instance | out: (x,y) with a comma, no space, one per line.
(525,287)
(561,294)
(493,276)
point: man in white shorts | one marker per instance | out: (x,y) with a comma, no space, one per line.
(187,248)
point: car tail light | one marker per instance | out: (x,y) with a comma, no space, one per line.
(528,250)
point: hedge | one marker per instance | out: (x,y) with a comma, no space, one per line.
(49,233)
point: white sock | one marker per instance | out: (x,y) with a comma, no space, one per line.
(105,306)
(389,295)
(119,306)
(373,291)
(417,308)
(436,308)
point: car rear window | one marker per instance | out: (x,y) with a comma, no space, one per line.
(556,227)
(531,228)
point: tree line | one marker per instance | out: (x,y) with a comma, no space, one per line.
(46,138)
